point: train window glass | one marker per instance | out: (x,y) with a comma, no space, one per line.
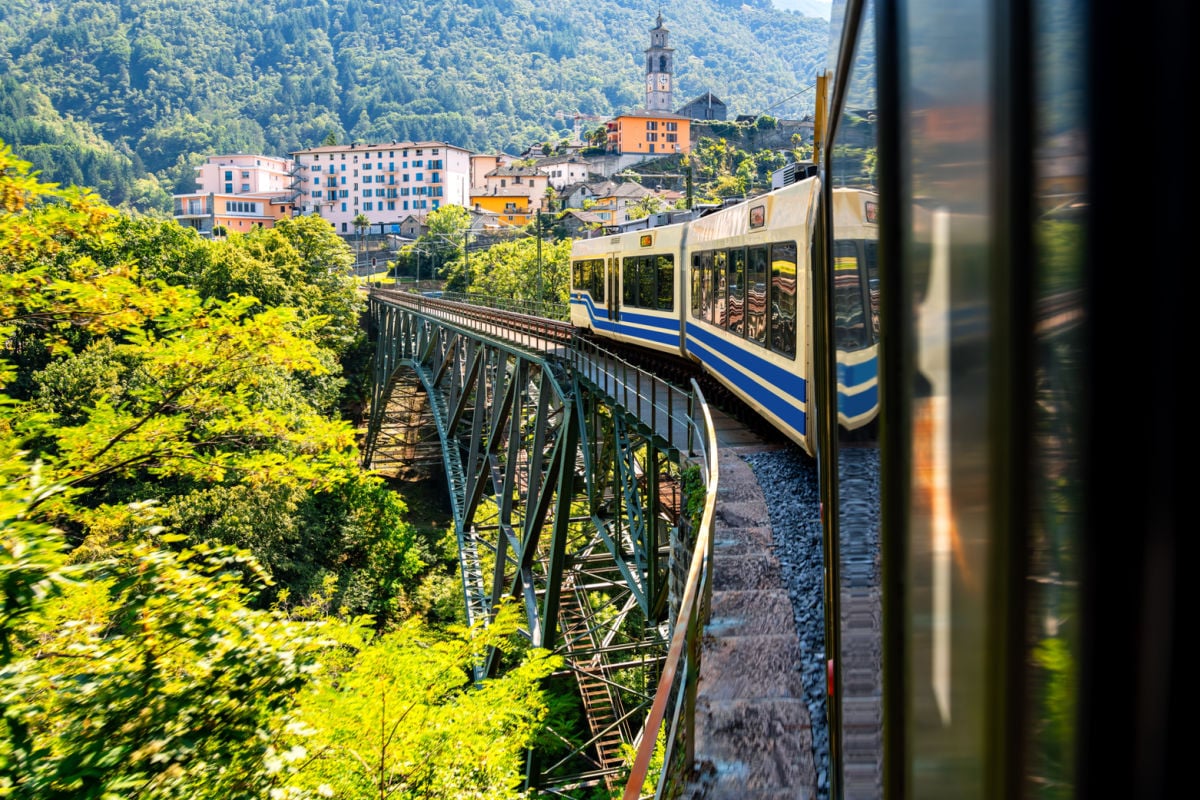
(719,286)
(577,279)
(706,286)
(756,294)
(629,281)
(646,274)
(598,280)
(697,282)
(871,260)
(736,270)
(666,283)
(849,316)
(783,298)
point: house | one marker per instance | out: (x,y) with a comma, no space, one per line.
(706,106)
(613,206)
(564,171)
(581,224)
(514,193)
(238,193)
(483,163)
(649,133)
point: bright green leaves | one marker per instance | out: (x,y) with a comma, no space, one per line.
(406,722)
(209,395)
(173,687)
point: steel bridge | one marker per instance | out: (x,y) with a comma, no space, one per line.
(581,488)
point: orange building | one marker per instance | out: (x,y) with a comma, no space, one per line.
(644,133)
(510,205)
(512,192)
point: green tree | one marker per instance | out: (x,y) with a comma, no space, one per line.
(361,223)
(650,204)
(405,721)
(145,674)
(447,231)
(510,270)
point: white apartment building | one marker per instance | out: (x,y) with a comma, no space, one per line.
(384,182)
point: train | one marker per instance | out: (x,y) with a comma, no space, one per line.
(732,291)
(1027,316)
(1028,604)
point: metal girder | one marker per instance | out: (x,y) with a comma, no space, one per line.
(563,502)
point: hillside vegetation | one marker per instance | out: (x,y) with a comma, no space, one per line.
(143,88)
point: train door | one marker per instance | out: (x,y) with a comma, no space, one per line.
(614,288)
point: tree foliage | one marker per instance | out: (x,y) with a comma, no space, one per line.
(201,591)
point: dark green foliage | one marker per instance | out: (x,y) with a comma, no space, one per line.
(163,84)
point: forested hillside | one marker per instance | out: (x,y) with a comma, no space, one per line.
(141,89)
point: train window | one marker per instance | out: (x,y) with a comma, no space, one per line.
(706,286)
(783,298)
(697,282)
(719,286)
(666,283)
(629,281)
(736,270)
(849,316)
(756,295)
(646,294)
(588,276)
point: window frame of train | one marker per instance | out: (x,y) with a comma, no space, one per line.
(649,275)
(589,277)
(855,258)
(710,282)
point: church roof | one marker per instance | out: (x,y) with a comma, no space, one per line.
(708,98)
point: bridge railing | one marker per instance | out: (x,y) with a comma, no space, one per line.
(558,311)
(672,718)
(669,410)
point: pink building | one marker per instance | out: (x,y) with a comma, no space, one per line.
(237,193)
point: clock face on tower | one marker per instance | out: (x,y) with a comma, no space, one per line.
(649,83)
(664,81)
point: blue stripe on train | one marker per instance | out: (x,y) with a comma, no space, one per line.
(851,375)
(788,382)
(793,417)
(661,330)
(853,405)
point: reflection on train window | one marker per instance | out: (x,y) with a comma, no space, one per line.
(719,285)
(666,283)
(783,298)
(871,259)
(734,293)
(756,295)
(736,270)
(849,316)
(649,282)
(588,276)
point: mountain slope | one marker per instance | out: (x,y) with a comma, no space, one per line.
(165,80)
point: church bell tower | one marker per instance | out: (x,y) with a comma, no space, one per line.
(658,69)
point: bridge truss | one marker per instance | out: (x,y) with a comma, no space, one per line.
(563,500)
